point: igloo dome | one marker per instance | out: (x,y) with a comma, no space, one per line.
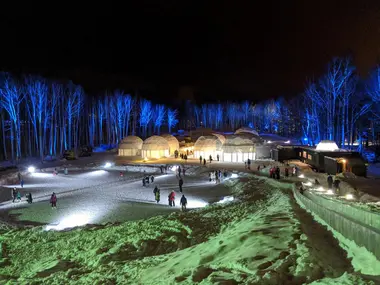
(155,147)
(130,146)
(206,146)
(238,148)
(327,145)
(173,143)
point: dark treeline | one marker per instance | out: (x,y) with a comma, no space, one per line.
(338,106)
(40,117)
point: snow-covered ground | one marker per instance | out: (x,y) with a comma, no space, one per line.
(262,237)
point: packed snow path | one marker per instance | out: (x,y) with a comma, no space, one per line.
(103,196)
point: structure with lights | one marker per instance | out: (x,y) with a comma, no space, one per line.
(172,142)
(155,147)
(327,145)
(238,148)
(130,146)
(208,145)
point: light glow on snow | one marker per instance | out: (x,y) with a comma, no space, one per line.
(349,196)
(41,175)
(196,203)
(226,199)
(75,220)
(301,176)
(174,168)
(269,141)
(31,169)
(321,189)
(107,165)
(287,142)
(330,192)
(94,173)
(308,183)
(234,175)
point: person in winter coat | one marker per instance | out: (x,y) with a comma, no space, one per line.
(277,172)
(147,180)
(65,171)
(53,200)
(293,171)
(258,168)
(156,192)
(200,159)
(30,198)
(18,196)
(217,157)
(336,185)
(249,163)
(204,161)
(152,178)
(171,198)
(183,203)
(19,176)
(210,158)
(180,183)
(286,172)
(329,181)
(22,183)
(14,194)
(143,181)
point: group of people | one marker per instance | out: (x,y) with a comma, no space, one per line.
(203,160)
(216,176)
(147,179)
(247,164)
(333,183)
(274,172)
(16,196)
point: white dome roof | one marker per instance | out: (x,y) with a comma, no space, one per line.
(172,141)
(220,137)
(247,130)
(131,142)
(238,143)
(155,143)
(207,143)
(327,145)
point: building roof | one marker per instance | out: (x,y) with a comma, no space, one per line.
(247,130)
(172,141)
(238,143)
(131,142)
(327,145)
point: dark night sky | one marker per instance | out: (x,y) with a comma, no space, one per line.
(225,49)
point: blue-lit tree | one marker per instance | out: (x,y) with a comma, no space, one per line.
(128,106)
(204,122)
(11,99)
(159,115)
(37,103)
(146,114)
(219,116)
(101,115)
(172,118)
(74,104)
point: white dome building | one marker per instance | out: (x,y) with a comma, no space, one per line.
(155,147)
(327,145)
(206,146)
(173,143)
(130,146)
(246,130)
(238,148)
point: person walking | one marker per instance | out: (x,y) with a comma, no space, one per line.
(217,157)
(29,198)
(65,171)
(14,194)
(143,181)
(172,199)
(286,172)
(157,193)
(277,173)
(19,176)
(329,181)
(200,159)
(18,196)
(336,186)
(183,203)
(22,183)
(204,161)
(53,200)
(152,178)
(249,164)
(210,158)
(180,183)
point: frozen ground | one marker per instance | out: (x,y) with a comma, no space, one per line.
(263,237)
(98,196)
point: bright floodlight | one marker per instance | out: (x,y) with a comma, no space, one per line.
(269,141)
(107,165)
(287,142)
(31,169)
(349,196)
(234,175)
(327,146)
(344,161)
(330,192)
(301,176)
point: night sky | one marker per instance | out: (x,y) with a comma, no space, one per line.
(223,49)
